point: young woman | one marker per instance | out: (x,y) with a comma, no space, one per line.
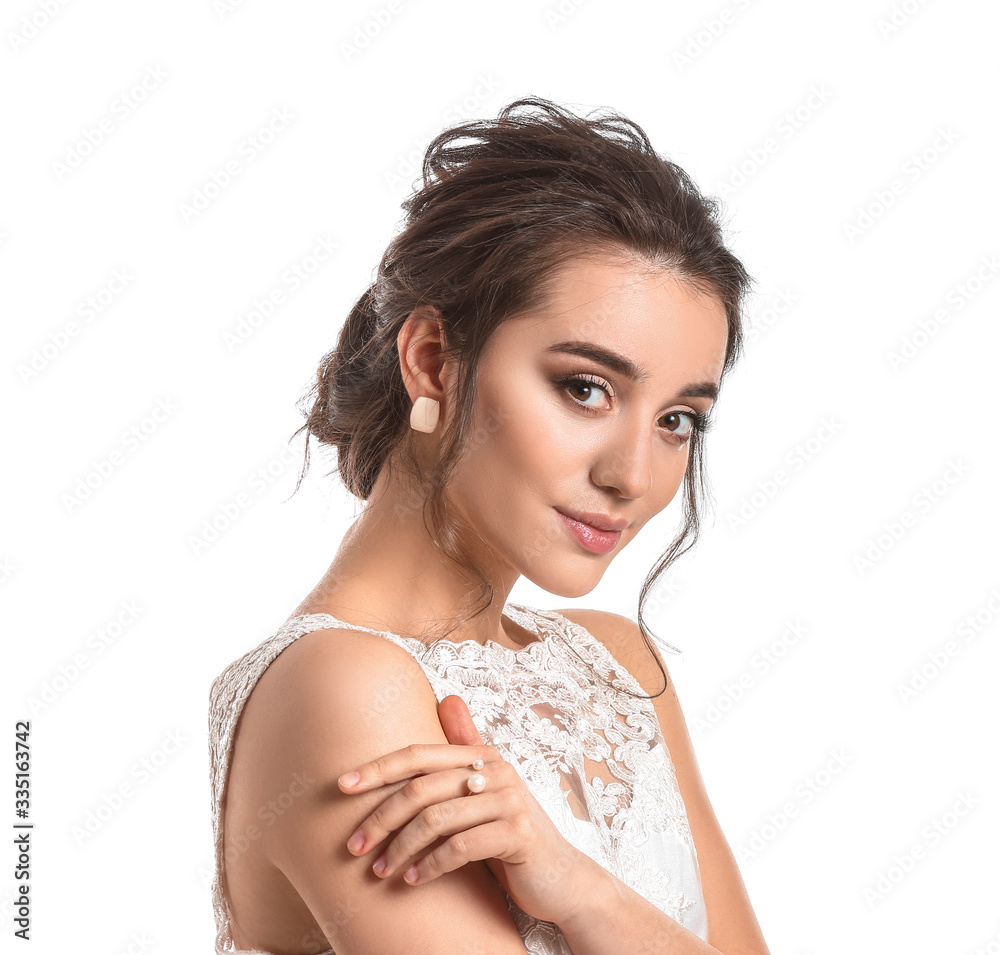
(526,383)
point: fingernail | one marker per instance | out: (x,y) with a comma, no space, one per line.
(356,842)
(411,873)
(349,779)
(379,866)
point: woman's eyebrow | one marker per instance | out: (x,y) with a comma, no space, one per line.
(627,367)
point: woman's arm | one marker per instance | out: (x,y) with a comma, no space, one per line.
(732,925)
(618,919)
(332,700)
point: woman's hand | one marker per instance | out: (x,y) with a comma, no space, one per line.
(504,825)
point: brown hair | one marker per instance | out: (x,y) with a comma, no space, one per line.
(504,203)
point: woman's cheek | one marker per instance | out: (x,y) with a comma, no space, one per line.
(559,428)
(527,420)
(668,478)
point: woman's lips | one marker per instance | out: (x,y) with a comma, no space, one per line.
(589,537)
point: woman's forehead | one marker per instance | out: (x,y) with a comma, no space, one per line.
(610,302)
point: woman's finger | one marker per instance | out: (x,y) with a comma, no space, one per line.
(459,818)
(456,721)
(488,841)
(413,760)
(416,796)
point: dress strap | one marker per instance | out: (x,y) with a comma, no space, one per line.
(521,614)
(303,622)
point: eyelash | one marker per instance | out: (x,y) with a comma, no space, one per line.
(700,423)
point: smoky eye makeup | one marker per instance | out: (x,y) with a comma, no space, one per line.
(592,384)
(580,388)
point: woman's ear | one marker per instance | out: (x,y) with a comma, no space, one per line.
(421,344)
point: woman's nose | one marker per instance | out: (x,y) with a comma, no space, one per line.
(624,462)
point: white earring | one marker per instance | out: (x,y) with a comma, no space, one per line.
(424,414)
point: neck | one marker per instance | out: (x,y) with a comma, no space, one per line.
(389,574)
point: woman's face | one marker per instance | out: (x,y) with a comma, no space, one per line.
(544,447)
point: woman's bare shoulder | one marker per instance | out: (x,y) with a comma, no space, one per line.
(352,661)
(341,698)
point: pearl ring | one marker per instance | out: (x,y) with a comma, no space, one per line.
(476,782)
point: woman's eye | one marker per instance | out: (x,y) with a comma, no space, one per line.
(682,421)
(680,424)
(583,389)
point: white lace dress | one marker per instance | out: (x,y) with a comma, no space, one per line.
(592,755)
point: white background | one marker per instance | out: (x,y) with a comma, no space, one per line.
(801,116)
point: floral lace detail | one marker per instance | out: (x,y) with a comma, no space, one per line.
(559,710)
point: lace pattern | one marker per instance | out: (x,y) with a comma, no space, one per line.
(592,755)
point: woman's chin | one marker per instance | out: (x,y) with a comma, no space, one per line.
(571,583)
